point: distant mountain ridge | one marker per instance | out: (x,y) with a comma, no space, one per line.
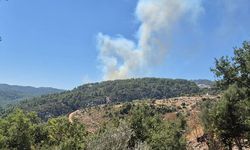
(10,94)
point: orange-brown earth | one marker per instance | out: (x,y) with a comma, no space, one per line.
(94,117)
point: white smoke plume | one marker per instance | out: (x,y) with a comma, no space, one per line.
(123,58)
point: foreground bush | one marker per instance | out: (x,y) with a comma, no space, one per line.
(227,122)
(143,129)
(20,130)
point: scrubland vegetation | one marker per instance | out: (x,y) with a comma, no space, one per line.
(225,122)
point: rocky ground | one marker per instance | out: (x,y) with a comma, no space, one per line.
(94,117)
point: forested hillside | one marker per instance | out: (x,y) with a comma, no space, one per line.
(108,92)
(198,122)
(12,93)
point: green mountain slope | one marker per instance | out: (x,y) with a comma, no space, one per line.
(108,91)
(10,94)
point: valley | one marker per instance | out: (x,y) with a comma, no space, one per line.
(11,94)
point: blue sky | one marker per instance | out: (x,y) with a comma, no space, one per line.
(54,43)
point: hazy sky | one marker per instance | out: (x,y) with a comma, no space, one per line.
(57,42)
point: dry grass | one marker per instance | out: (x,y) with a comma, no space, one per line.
(94,117)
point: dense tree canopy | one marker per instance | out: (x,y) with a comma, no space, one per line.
(20,130)
(228,121)
(235,70)
(106,92)
(141,127)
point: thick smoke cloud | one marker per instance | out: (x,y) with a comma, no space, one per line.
(123,58)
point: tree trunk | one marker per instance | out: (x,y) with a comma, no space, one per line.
(230,147)
(237,142)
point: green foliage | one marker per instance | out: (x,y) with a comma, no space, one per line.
(116,91)
(112,138)
(228,120)
(148,127)
(17,130)
(20,130)
(141,128)
(168,136)
(143,120)
(234,70)
(61,130)
(206,108)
